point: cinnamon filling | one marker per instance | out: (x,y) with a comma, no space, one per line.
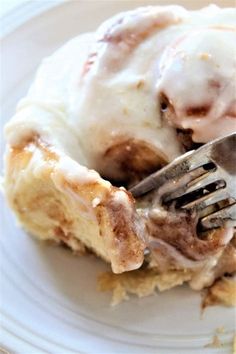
(128,162)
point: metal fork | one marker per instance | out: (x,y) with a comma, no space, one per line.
(202,181)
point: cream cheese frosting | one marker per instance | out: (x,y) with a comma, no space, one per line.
(107,87)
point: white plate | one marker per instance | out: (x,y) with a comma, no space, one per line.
(49,302)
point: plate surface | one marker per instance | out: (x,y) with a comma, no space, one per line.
(49,302)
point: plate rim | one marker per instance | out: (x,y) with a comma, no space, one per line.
(11,22)
(24,12)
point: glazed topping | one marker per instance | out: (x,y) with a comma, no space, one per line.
(187,57)
(123,91)
(198,81)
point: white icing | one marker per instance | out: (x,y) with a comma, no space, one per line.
(76,172)
(205,75)
(122,198)
(99,89)
(205,276)
(96,201)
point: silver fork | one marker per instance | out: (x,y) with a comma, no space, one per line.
(202,180)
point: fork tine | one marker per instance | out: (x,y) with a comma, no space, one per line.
(155,180)
(226,217)
(207,200)
(186,163)
(197,183)
(151,182)
(201,182)
(176,169)
(199,158)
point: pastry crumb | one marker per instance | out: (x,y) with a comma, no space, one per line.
(222,292)
(216,343)
(220,330)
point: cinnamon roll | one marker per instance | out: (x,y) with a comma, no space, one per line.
(106,110)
